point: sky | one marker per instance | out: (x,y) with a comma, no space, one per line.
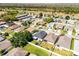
(39,1)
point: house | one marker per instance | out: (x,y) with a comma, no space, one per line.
(21,16)
(51,37)
(5,44)
(77,36)
(19,29)
(10,23)
(24,16)
(17,52)
(64,41)
(30,29)
(76,46)
(1,38)
(40,34)
(2,22)
(15,26)
(2,28)
(68,27)
(59,26)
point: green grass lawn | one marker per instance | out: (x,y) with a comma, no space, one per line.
(72,44)
(34,41)
(10,35)
(54,49)
(35,50)
(0,52)
(63,52)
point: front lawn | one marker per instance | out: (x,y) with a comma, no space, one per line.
(53,48)
(63,52)
(47,45)
(72,44)
(33,49)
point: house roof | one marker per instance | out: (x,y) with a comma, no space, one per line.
(64,41)
(1,38)
(40,34)
(51,37)
(2,22)
(17,52)
(19,29)
(14,26)
(59,26)
(30,29)
(5,44)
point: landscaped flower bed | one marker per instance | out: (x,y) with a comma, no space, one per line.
(63,52)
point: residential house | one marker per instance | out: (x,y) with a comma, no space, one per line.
(23,17)
(30,29)
(68,27)
(1,38)
(51,37)
(5,44)
(19,29)
(64,41)
(40,34)
(2,28)
(77,36)
(59,26)
(15,26)
(17,52)
(2,22)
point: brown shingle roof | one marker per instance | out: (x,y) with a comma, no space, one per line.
(51,37)
(5,44)
(64,41)
(19,29)
(30,29)
(14,26)
(17,52)
(2,22)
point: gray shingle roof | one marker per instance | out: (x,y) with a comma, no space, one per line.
(40,34)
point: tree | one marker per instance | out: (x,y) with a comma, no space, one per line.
(8,18)
(48,19)
(12,12)
(6,34)
(26,23)
(73,32)
(20,39)
(67,17)
(63,32)
(40,15)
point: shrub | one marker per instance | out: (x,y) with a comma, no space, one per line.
(67,17)
(48,19)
